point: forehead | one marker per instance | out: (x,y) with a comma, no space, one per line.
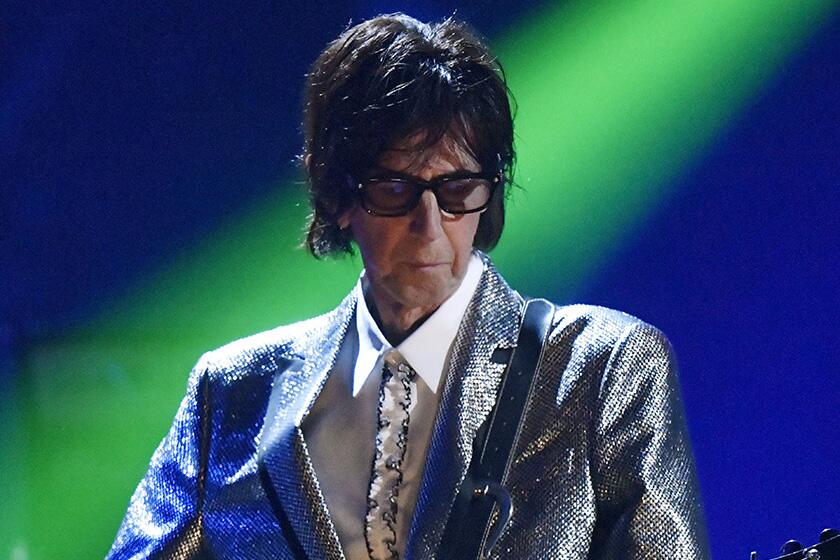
(414,156)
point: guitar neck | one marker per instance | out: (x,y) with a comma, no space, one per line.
(827,549)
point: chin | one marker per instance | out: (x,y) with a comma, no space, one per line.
(429,294)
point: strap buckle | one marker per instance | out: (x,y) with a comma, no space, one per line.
(501,496)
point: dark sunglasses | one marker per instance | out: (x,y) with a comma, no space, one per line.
(459,193)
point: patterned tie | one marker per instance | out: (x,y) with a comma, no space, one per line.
(386,473)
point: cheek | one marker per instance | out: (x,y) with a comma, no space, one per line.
(463,233)
(376,244)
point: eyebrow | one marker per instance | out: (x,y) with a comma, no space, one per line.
(385,173)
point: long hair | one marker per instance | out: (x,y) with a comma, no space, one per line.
(385,80)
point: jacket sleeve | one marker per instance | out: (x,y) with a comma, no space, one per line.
(164,518)
(647,497)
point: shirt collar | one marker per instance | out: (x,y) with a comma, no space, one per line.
(425,349)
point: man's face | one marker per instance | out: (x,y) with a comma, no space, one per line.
(418,260)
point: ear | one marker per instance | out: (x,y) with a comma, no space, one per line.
(344,219)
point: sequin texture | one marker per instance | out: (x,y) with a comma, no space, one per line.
(602,470)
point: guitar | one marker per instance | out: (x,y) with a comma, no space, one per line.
(827,549)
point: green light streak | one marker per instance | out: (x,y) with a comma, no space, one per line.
(101,398)
(615,100)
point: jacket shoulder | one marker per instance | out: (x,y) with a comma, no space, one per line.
(264,352)
(602,334)
(610,325)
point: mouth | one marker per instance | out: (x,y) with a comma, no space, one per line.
(426,265)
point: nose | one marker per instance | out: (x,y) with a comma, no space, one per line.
(427,217)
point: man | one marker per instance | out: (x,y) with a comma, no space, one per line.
(348,435)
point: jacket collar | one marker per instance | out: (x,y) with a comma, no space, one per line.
(469,393)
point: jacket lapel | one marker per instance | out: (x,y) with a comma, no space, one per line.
(284,460)
(469,393)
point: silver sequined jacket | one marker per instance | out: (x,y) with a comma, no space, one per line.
(602,469)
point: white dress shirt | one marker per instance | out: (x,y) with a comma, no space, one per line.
(341,428)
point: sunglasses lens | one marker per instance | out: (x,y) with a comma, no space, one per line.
(389,197)
(464,195)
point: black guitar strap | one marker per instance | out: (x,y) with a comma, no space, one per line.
(472,529)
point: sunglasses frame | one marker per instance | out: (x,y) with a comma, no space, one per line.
(496,178)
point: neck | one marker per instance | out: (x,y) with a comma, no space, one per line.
(396,321)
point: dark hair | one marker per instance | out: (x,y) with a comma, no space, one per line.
(389,78)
